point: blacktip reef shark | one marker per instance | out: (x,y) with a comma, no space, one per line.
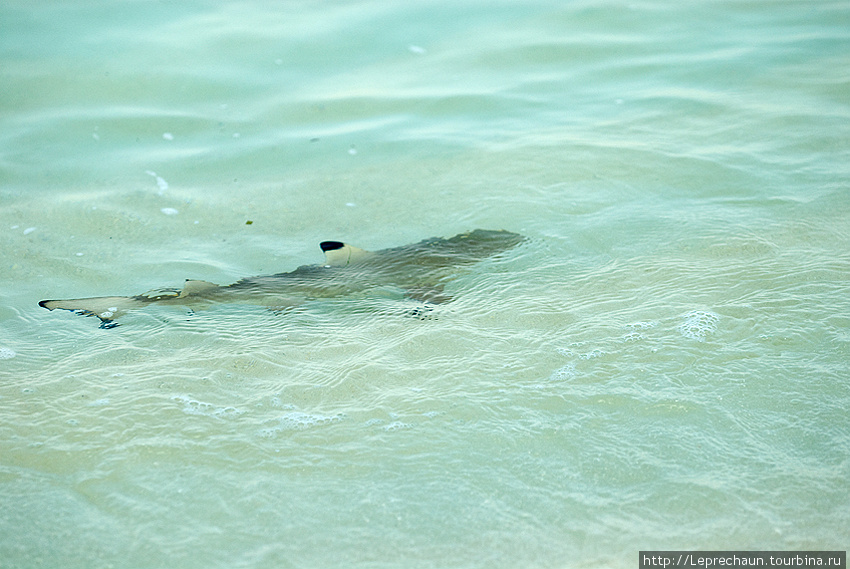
(420,269)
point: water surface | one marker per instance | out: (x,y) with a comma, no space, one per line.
(662,365)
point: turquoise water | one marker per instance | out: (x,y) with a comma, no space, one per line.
(662,365)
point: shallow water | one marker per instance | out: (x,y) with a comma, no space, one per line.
(662,365)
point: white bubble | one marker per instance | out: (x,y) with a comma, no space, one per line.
(698,324)
(7,354)
(642,325)
(563,373)
(298,421)
(277,402)
(195,407)
(160,182)
(416,49)
(597,353)
(167,136)
(396,426)
(169,211)
(29,230)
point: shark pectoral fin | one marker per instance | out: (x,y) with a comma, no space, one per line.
(432,294)
(158,294)
(107,308)
(196,287)
(339,254)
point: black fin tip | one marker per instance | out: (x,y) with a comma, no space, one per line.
(331,245)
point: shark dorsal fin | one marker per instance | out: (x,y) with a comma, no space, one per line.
(339,254)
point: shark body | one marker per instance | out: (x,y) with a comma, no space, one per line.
(420,269)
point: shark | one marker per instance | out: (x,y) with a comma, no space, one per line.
(420,269)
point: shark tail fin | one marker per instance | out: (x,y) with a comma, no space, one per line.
(339,254)
(107,308)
